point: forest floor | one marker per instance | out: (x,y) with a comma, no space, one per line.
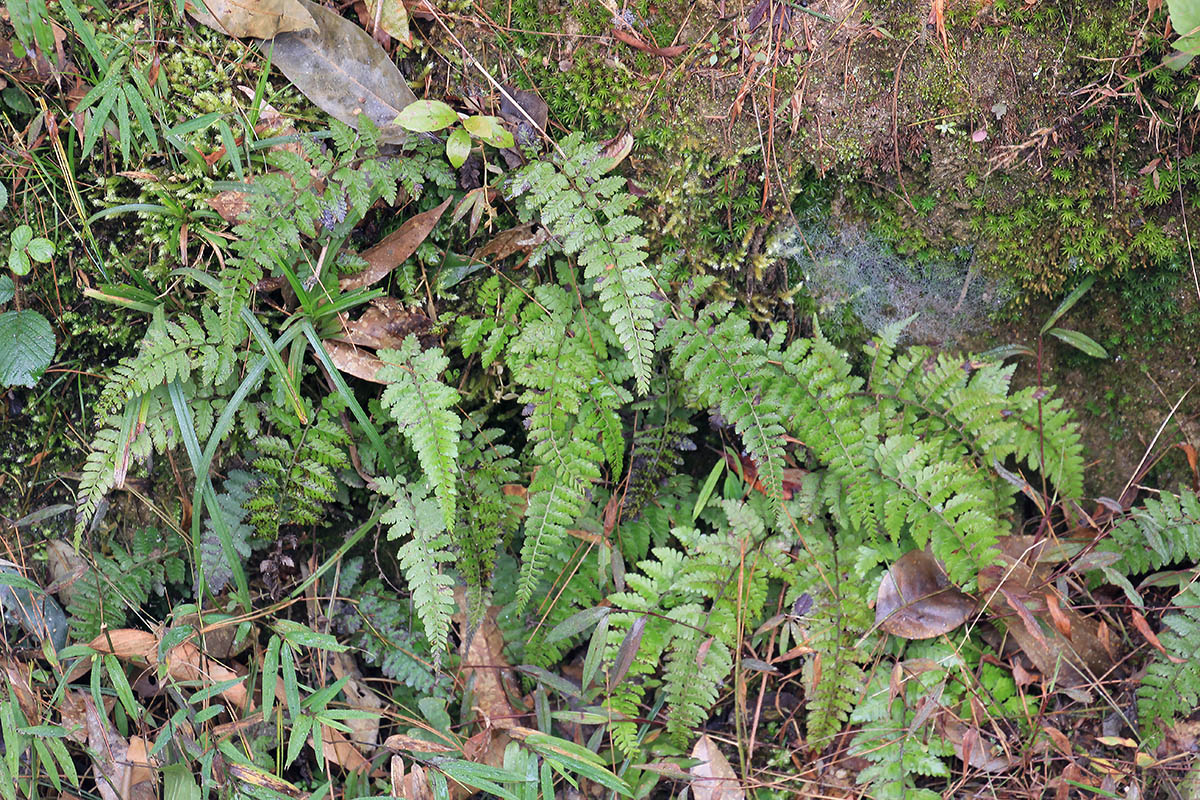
(202,481)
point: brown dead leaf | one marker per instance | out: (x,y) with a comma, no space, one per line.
(385,325)
(520,239)
(1007,588)
(713,778)
(259,19)
(230,205)
(365,730)
(17,676)
(917,601)
(617,148)
(1150,636)
(634,41)
(401,743)
(122,768)
(395,248)
(354,360)
(523,107)
(971,745)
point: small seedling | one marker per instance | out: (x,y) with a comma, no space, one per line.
(427,116)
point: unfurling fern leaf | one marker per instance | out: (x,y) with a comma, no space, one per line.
(586,213)
(417,518)
(422,407)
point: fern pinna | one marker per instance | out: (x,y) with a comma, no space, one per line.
(1163,532)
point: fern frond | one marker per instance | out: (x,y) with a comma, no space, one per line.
(725,367)
(586,213)
(418,519)
(422,407)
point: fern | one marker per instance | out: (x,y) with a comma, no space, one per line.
(586,213)
(121,583)
(556,365)
(422,407)
(899,754)
(233,500)
(1163,532)
(725,367)
(417,518)
(295,471)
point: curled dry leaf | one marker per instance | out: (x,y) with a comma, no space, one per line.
(713,778)
(260,19)
(617,148)
(519,239)
(395,248)
(344,72)
(917,601)
(632,39)
(401,743)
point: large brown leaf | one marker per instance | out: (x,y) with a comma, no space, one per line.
(917,601)
(261,19)
(395,248)
(344,71)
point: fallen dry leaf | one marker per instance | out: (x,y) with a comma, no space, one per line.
(713,778)
(123,771)
(617,148)
(385,325)
(635,42)
(354,360)
(917,601)
(395,248)
(260,19)
(391,17)
(340,68)
(519,239)
(229,204)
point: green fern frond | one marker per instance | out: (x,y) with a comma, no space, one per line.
(586,213)
(422,407)
(724,366)
(418,519)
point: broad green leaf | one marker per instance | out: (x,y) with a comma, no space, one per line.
(179,783)
(18,262)
(7,288)
(40,250)
(1185,19)
(21,237)
(3,196)
(458,147)
(26,347)
(489,130)
(424,116)
(1081,342)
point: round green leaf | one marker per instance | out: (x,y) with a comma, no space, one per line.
(489,130)
(458,147)
(426,115)
(40,250)
(18,262)
(21,236)
(26,347)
